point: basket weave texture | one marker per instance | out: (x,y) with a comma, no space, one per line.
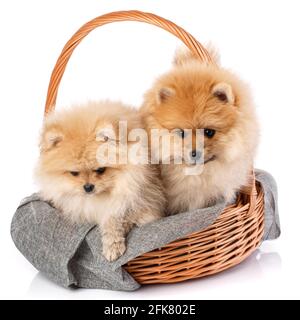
(231,238)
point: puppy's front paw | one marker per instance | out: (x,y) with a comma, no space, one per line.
(114,250)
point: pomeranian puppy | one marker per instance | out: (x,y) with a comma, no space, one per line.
(192,96)
(111,194)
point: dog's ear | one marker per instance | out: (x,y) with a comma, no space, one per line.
(183,55)
(214,53)
(105,132)
(164,94)
(223,92)
(50,139)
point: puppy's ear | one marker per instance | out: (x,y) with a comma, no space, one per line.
(105,132)
(223,92)
(164,94)
(183,55)
(50,139)
(214,53)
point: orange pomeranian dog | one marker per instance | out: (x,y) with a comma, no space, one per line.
(194,97)
(113,195)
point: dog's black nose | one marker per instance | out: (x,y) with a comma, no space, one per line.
(88,187)
(195,155)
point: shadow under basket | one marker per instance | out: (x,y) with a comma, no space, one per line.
(238,230)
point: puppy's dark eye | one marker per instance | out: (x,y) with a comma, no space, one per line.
(209,133)
(100,170)
(221,96)
(181,133)
(74,173)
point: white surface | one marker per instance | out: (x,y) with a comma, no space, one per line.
(258,39)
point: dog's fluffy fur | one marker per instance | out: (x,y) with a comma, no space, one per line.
(124,194)
(194,95)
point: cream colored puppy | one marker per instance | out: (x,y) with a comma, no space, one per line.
(114,196)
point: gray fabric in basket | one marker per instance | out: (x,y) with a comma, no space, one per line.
(70,254)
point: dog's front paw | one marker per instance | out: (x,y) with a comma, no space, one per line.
(114,250)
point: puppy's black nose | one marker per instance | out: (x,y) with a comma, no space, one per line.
(195,155)
(88,187)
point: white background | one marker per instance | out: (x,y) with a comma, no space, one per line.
(257,39)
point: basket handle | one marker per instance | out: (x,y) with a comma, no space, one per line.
(134,15)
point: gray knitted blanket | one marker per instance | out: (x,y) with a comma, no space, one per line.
(70,254)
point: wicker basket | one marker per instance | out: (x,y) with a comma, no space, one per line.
(231,238)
